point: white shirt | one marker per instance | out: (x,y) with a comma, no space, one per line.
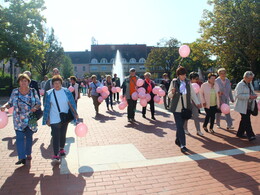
(63,104)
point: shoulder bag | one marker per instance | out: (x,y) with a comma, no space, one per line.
(185,112)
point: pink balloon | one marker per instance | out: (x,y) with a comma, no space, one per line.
(258,105)
(71,89)
(3,119)
(134,96)
(184,51)
(161,101)
(141,89)
(82,84)
(142,95)
(81,130)
(139,82)
(161,93)
(104,95)
(99,90)
(118,89)
(143,102)
(196,87)
(225,109)
(122,105)
(104,88)
(113,90)
(148,97)
(121,97)
(41,92)
(11,110)
(156,90)
(100,99)
(156,99)
(107,92)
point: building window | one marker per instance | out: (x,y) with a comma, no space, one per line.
(124,60)
(84,68)
(94,61)
(112,61)
(103,61)
(142,60)
(75,68)
(142,67)
(132,60)
(103,68)
(93,68)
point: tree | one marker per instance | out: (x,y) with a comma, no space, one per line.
(66,67)
(53,56)
(232,33)
(21,26)
(164,57)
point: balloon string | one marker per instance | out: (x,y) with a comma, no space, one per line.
(180,62)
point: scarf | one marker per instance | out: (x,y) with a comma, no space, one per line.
(149,88)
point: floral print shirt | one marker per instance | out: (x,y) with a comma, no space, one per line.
(22,105)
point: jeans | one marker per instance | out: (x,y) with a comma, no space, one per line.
(151,102)
(245,125)
(109,98)
(210,115)
(180,135)
(58,132)
(131,108)
(116,96)
(24,146)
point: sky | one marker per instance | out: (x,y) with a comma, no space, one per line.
(75,22)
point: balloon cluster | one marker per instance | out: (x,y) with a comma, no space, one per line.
(158,92)
(3,119)
(196,87)
(123,103)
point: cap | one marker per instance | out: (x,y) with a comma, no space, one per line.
(132,70)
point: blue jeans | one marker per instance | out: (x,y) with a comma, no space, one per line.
(180,135)
(24,146)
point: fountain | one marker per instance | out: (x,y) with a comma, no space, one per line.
(118,67)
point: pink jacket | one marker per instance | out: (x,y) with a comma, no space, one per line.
(205,94)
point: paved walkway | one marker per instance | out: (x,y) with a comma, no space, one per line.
(117,157)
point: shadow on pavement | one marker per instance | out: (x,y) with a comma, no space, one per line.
(103,118)
(229,177)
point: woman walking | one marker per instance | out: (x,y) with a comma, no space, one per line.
(25,101)
(58,105)
(209,94)
(181,94)
(225,95)
(92,92)
(244,104)
(109,85)
(149,85)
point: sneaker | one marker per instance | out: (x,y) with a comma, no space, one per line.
(55,160)
(186,132)
(144,116)
(218,127)
(206,129)
(133,120)
(211,131)
(184,149)
(251,138)
(129,120)
(153,118)
(199,133)
(62,152)
(228,128)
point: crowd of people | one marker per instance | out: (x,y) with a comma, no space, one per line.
(60,104)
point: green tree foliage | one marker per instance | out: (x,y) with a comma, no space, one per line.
(232,32)
(21,26)
(66,67)
(53,56)
(163,58)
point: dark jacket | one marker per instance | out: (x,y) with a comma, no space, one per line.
(34,85)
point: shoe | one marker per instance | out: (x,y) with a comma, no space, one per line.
(55,160)
(199,133)
(218,127)
(133,120)
(62,152)
(112,108)
(242,136)
(144,116)
(228,128)
(29,157)
(153,118)
(108,108)
(21,161)
(211,131)
(206,129)
(129,120)
(251,138)
(186,132)
(184,149)
(177,142)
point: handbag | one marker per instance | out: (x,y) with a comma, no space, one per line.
(255,111)
(185,112)
(64,117)
(38,113)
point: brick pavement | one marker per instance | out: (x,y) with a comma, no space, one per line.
(236,174)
